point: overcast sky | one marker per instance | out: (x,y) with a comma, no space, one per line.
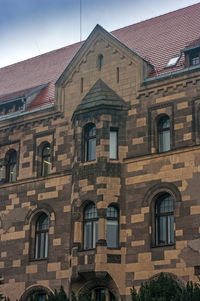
(32,27)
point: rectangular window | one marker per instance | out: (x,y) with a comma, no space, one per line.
(113,144)
(112,234)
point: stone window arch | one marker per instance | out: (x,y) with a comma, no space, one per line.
(39,234)
(100,284)
(153,196)
(36,290)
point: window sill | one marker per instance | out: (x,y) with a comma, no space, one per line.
(85,163)
(38,260)
(163,246)
(113,249)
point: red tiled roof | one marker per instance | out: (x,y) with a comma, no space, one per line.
(156,40)
(15,95)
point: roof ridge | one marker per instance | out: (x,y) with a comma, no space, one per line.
(111,32)
(156,17)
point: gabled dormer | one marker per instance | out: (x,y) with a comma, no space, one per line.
(192,54)
(16,103)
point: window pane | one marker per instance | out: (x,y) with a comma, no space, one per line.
(161,230)
(92,132)
(12,175)
(88,235)
(95,233)
(41,297)
(42,243)
(36,246)
(90,211)
(100,294)
(171,229)
(112,212)
(164,204)
(164,140)
(46,245)
(46,160)
(112,234)
(91,152)
(113,144)
(43,222)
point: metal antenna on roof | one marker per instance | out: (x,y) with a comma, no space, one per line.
(80,20)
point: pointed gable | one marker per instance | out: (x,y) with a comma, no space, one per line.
(97,33)
(100,95)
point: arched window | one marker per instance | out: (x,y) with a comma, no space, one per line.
(164,134)
(164,217)
(46,160)
(90,226)
(90,142)
(11,168)
(112,227)
(41,236)
(100,61)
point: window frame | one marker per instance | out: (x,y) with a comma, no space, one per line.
(94,224)
(88,151)
(159,199)
(11,167)
(100,61)
(194,58)
(160,133)
(1,171)
(114,130)
(44,159)
(38,234)
(116,219)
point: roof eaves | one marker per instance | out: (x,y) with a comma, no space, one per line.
(20,114)
(190,48)
(12,100)
(171,74)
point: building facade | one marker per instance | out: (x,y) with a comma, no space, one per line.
(99,162)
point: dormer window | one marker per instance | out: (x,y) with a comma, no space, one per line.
(194,58)
(192,55)
(9,109)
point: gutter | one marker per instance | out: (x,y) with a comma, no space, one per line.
(20,114)
(171,74)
